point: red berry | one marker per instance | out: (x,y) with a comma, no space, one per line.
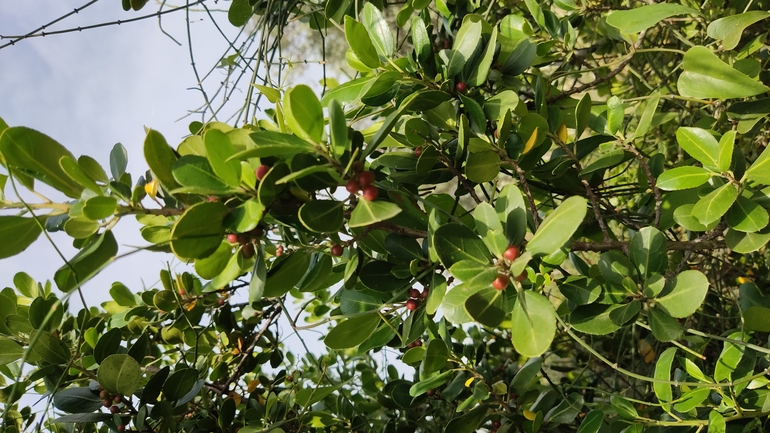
(352,186)
(220,302)
(262,171)
(417,151)
(107,402)
(337,250)
(417,343)
(232,238)
(497,133)
(104,394)
(365,178)
(247,251)
(496,424)
(431,392)
(181,292)
(289,378)
(414,293)
(411,305)
(500,282)
(461,87)
(511,253)
(522,276)
(212,199)
(122,427)
(117,398)
(114,409)
(357,167)
(370,193)
(424,294)
(279,251)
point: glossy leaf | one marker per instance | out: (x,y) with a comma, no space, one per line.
(79,399)
(282,278)
(685,294)
(726,148)
(705,76)
(120,374)
(683,178)
(88,262)
(701,145)
(566,411)
(487,306)
(466,41)
(198,233)
(118,161)
(37,155)
(467,423)
(482,166)
(436,355)
(663,373)
(558,227)
(303,113)
(664,327)
(16,234)
(745,215)
(648,252)
(711,207)
(161,159)
(489,227)
(580,290)
(352,332)
(745,243)
(379,31)
(10,351)
(691,399)
(635,20)
(729,29)
(370,212)
(592,423)
(716,422)
(76,173)
(323,216)
(245,217)
(455,242)
(615,266)
(683,216)
(594,319)
(645,121)
(757,318)
(195,174)
(270,143)
(218,149)
(100,207)
(535,324)
(730,357)
(760,169)
(624,408)
(582,115)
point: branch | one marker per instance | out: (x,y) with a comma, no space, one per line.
(600,80)
(672,246)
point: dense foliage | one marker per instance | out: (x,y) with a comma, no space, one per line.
(556,217)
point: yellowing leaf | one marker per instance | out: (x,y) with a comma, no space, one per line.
(531,142)
(646,350)
(469,382)
(151,188)
(252,385)
(528,414)
(561,133)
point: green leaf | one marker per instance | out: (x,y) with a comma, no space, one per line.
(566,411)
(756,318)
(211,266)
(218,149)
(684,217)
(161,159)
(635,20)
(378,30)
(453,306)
(275,144)
(455,242)
(592,423)
(118,161)
(338,129)
(323,216)
(437,291)
(87,262)
(76,173)
(701,145)
(108,344)
(647,115)
(606,161)
(615,114)
(199,231)
(309,396)
(749,110)
(245,217)
(179,383)
(234,268)
(746,215)
(711,207)
(705,76)
(466,41)
(487,306)
(534,325)
(521,57)
(352,332)
(558,227)
(120,374)
(726,148)
(360,42)
(403,247)
(370,212)
(663,373)
(594,319)
(684,294)
(37,155)
(258,277)
(729,29)
(467,423)
(648,252)
(512,211)
(16,234)
(49,347)
(744,243)
(430,382)
(664,327)
(624,408)
(100,207)
(580,290)
(716,422)
(303,113)
(287,274)
(421,40)
(582,115)
(479,75)
(691,399)
(26,285)
(490,229)
(79,399)
(436,355)
(482,166)
(531,123)
(195,174)
(122,295)
(10,351)
(760,169)
(683,178)
(239,13)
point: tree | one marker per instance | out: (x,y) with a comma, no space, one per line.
(558,217)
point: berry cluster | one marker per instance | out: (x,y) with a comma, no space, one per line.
(415,296)
(246,240)
(502,280)
(415,343)
(112,401)
(363,182)
(495,425)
